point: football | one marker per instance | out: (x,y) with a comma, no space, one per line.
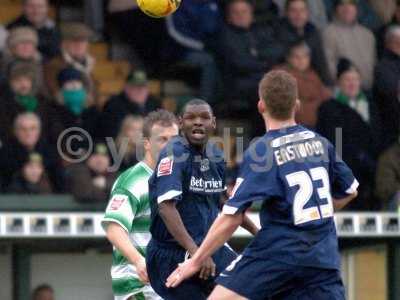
(158,8)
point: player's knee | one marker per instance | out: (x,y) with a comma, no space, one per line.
(222,293)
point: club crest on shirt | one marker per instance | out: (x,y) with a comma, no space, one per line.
(204,165)
(117,201)
(165,166)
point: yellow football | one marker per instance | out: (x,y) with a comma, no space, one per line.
(158,8)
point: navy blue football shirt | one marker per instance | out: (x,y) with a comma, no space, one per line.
(194,180)
(295,172)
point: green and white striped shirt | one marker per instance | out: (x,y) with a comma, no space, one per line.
(129,207)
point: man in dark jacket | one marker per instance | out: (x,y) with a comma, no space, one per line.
(246,52)
(386,87)
(35,14)
(296,26)
(135,99)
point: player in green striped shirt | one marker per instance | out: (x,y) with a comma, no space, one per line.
(127,217)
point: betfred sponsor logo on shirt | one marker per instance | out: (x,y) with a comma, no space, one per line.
(165,166)
(207,186)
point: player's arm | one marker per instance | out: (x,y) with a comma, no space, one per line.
(339,204)
(219,233)
(120,239)
(345,185)
(249,225)
(176,228)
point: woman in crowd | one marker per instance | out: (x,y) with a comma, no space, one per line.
(312,92)
(129,141)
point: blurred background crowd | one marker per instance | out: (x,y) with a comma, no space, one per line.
(103,65)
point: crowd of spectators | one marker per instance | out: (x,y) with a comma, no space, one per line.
(345,55)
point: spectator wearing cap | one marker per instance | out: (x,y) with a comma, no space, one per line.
(35,15)
(32,178)
(386,87)
(346,38)
(296,26)
(95,175)
(22,46)
(312,92)
(27,139)
(75,54)
(352,113)
(72,108)
(22,95)
(395,20)
(246,52)
(135,99)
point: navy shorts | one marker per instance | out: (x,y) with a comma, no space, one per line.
(162,261)
(264,279)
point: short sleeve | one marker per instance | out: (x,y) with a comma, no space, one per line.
(169,175)
(256,182)
(343,182)
(121,209)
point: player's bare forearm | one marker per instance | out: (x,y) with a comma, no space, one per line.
(222,229)
(339,204)
(119,238)
(249,225)
(175,226)
(220,232)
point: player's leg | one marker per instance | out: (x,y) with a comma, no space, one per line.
(161,262)
(222,293)
(319,284)
(253,278)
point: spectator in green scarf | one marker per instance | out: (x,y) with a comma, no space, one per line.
(21,94)
(349,90)
(350,121)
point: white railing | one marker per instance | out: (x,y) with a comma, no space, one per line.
(88,225)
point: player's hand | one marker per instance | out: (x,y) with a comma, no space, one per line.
(207,269)
(142,270)
(184,271)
